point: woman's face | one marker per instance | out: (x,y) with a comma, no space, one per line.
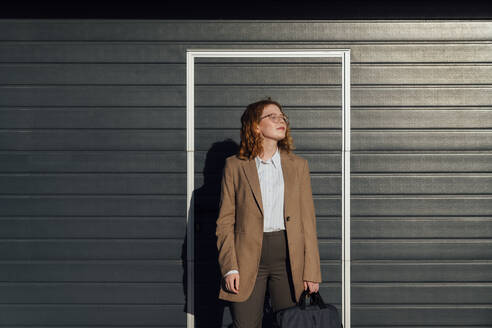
(270,129)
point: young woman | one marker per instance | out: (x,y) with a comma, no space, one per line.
(266,227)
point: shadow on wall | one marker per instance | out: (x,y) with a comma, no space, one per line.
(208,308)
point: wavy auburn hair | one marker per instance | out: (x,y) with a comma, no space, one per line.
(251,141)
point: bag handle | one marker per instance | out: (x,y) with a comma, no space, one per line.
(316,299)
(302,299)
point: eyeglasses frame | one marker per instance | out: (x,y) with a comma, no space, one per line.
(276,120)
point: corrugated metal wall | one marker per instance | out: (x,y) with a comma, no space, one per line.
(93,181)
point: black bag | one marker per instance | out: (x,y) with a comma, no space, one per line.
(317,314)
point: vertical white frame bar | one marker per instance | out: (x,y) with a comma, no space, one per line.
(346,189)
(190,186)
(191,54)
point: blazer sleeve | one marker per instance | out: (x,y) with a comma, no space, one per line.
(225,222)
(312,266)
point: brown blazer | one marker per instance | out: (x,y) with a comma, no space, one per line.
(240,223)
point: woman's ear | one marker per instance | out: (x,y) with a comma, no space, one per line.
(257,128)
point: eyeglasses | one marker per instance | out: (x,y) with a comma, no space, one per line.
(276,118)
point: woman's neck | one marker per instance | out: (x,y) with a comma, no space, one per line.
(268,151)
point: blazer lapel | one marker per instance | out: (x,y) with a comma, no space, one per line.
(289,176)
(288,171)
(254,181)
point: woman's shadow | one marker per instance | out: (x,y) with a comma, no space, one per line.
(208,309)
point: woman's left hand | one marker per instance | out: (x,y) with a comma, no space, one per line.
(313,286)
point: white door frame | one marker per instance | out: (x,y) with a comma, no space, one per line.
(344,54)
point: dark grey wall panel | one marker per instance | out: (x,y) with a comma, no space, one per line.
(470,293)
(172,52)
(90,117)
(422,315)
(443,117)
(92,73)
(331,271)
(264,30)
(416,227)
(92,249)
(92,161)
(421,161)
(421,271)
(92,271)
(120,205)
(103,293)
(401,249)
(101,183)
(83,95)
(227,72)
(421,96)
(439,140)
(237,95)
(100,139)
(92,227)
(330,249)
(426,205)
(379,184)
(92,315)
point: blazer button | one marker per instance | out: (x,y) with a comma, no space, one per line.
(287,218)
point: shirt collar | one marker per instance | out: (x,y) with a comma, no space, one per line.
(275,159)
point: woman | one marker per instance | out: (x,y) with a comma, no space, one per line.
(266,227)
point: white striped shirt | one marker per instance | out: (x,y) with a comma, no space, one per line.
(272,192)
(271,179)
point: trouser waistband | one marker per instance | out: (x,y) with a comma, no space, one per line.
(274,233)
